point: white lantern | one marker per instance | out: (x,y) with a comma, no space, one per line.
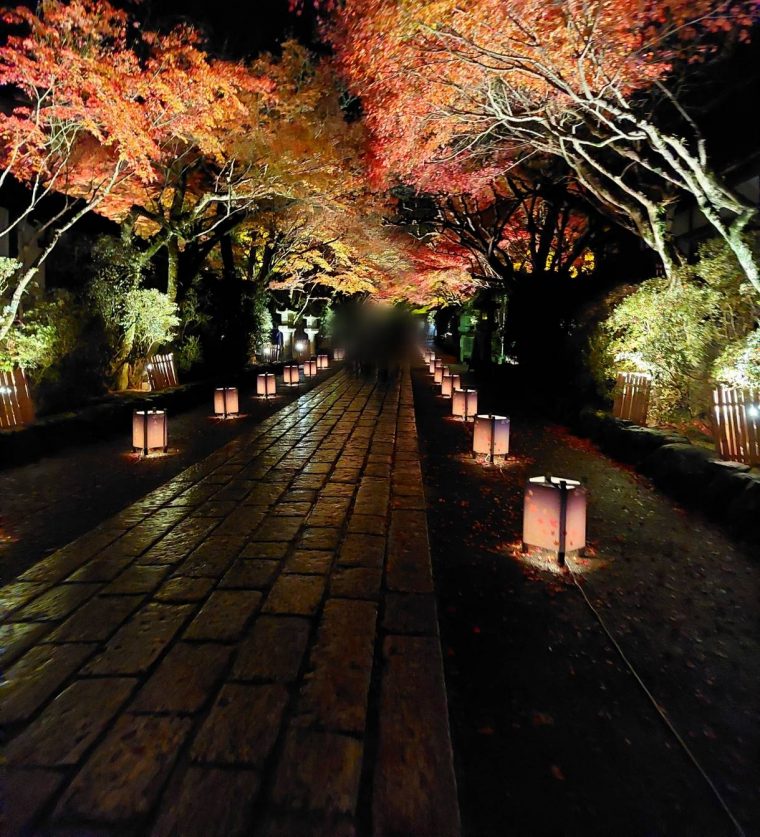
(491,436)
(464,404)
(323,361)
(438,373)
(226,401)
(266,385)
(149,431)
(339,355)
(291,376)
(428,355)
(554,515)
(431,363)
(310,368)
(450,382)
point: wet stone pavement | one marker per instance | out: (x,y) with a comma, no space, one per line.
(250,648)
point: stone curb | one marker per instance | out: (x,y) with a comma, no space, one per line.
(107,417)
(729,492)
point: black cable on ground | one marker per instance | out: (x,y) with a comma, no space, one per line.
(668,723)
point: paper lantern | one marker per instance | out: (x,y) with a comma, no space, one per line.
(464,404)
(438,373)
(554,515)
(339,355)
(149,431)
(266,386)
(226,401)
(431,363)
(291,375)
(323,361)
(310,368)
(450,382)
(427,355)
(491,436)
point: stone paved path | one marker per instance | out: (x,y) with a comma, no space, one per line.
(251,648)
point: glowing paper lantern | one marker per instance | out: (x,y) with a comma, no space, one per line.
(310,368)
(226,401)
(464,404)
(323,361)
(291,376)
(554,515)
(339,354)
(266,386)
(438,373)
(431,363)
(428,355)
(491,436)
(450,382)
(149,431)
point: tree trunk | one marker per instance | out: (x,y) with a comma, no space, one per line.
(228,258)
(121,377)
(746,258)
(172,276)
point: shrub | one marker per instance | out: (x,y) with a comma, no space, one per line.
(46,333)
(261,324)
(188,353)
(8,268)
(136,319)
(687,333)
(62,347)
(739,363)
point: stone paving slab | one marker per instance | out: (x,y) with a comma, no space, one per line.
(251,648)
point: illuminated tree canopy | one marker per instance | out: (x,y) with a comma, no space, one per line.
(515,125)
(455,93)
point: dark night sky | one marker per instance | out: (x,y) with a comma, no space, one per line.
(239,29)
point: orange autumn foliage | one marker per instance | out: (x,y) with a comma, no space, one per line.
(424,70)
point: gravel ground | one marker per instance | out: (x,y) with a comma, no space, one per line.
(50,502)
(552,733)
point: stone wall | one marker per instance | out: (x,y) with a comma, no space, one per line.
(729,492)
(106,417)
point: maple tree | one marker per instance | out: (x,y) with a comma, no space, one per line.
(322,231)
(254,166)
(103,111)
(517,226)
(454,92)
(353,251)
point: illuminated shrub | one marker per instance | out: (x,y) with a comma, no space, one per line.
(687,333)
(61,347)
(136,319)
(739,363)
(48,332)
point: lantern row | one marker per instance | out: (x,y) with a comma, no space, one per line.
(554,508)
(150,433)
